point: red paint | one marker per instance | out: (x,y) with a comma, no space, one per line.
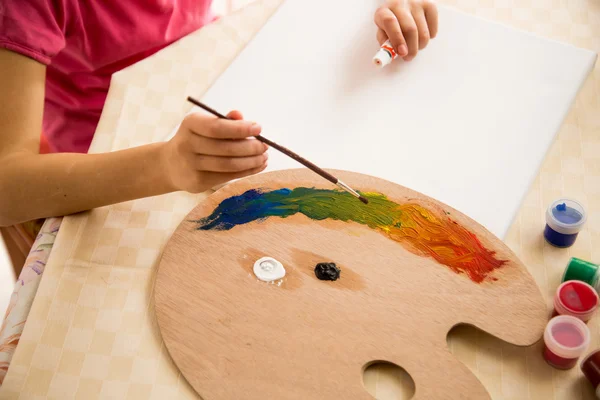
(568,336)
(591,368)
(558,362)
(577,297)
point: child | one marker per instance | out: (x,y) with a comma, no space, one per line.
(56,60)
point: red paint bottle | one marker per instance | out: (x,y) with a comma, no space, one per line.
(566,338)
(591,369)
(577,299)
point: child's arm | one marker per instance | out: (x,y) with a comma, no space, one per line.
(35,186)
(408,24)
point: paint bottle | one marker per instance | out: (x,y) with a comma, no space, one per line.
(564,220)
(566,338)
(385,55)
(577,299)
(591,369)
(585,271)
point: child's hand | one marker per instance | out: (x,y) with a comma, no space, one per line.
(207,151)
(408,24)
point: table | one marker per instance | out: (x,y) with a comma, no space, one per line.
(91,332)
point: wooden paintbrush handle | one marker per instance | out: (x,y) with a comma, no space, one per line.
(298,158)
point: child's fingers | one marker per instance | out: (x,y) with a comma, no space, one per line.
(235,114)
(388,22)
(228,129)
(409,31)
(228,164)
(431,14)
(227,148)
(381,36)
(423,31)
(212,127)
(242,174)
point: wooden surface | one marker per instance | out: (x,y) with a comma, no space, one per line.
(236,337)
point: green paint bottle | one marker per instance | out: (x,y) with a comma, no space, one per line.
(585,271)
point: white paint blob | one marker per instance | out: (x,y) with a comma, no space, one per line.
(268,269)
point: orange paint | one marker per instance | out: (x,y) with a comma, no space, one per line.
(446,241)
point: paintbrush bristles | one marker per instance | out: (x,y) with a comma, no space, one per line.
(288,153)
(352,191)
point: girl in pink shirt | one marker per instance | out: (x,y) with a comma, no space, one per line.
(56,61)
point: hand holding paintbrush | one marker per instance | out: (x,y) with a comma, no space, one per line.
(290,154)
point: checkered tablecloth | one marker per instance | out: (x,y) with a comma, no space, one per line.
(92,333)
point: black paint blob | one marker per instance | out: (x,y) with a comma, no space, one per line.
(327,272)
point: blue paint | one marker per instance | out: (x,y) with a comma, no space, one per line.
(566,215)
(564,220)
(253,205)
(557,239)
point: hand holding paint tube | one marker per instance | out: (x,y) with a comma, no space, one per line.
(404,28)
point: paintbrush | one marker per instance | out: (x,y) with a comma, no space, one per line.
(289,153)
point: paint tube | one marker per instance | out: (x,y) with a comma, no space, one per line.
(385,55)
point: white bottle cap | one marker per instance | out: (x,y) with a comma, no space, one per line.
(382,58)
(566,228)
(557,330)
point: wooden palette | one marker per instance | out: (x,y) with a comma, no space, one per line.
(235,337)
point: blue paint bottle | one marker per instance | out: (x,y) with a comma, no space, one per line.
(564,220)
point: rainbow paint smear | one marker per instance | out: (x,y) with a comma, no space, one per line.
(421,231)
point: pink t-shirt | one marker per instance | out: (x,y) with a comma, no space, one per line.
(83,43)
